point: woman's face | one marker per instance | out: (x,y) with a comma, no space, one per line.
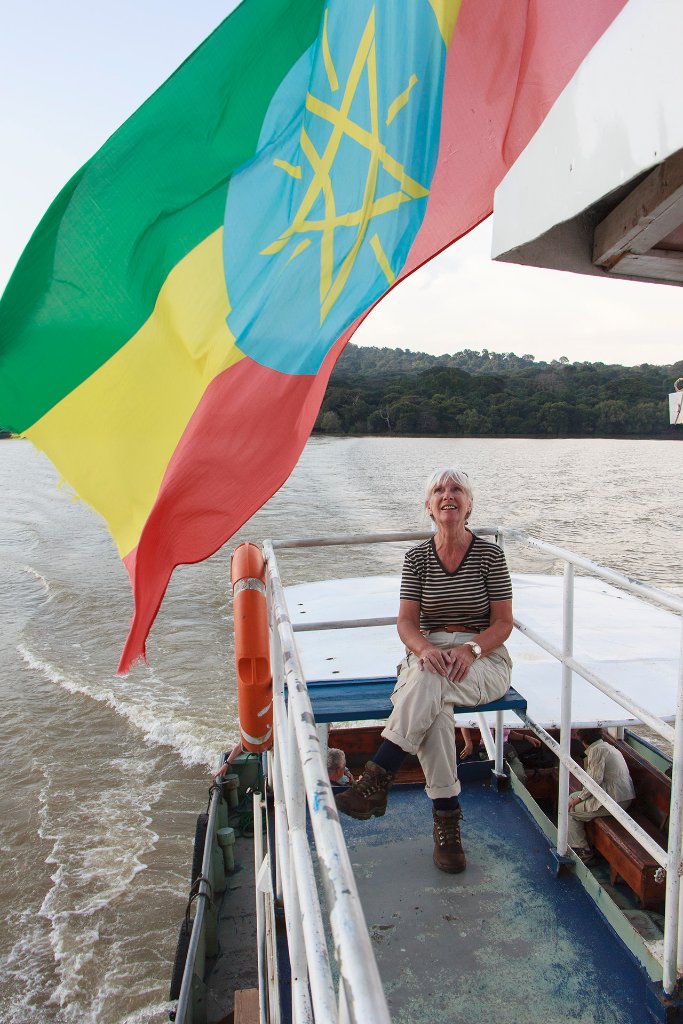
(449,504)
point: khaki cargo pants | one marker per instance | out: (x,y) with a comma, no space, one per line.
(422,720)
(586,811)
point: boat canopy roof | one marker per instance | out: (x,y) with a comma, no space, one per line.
(599,188)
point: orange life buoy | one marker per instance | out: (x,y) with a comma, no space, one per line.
(252,648)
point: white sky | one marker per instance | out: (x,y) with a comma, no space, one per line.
(70,73)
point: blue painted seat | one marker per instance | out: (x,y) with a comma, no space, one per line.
(354,700)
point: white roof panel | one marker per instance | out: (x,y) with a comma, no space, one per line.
(631,644)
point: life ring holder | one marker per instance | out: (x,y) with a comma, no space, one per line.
(252,648)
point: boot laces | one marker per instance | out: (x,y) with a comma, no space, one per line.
(448,830)
(372,782)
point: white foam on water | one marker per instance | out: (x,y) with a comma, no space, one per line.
(26,969)
(153,1012)
(96,856)
(38,576)
(23,591)
(149,706)
(119,983)
(72,959)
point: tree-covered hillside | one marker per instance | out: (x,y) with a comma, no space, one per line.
(394,391)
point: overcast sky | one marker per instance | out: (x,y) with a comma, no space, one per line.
(70,73)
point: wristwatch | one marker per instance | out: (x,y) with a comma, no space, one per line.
(476,649)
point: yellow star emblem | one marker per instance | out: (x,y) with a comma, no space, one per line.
(321,164)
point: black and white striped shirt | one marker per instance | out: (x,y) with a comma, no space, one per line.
(456,598)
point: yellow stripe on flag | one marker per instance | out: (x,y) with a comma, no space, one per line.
(446,13)
(125,421)
(400,101)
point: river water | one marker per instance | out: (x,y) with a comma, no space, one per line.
(104,777)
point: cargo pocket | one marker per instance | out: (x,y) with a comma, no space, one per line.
(402,674)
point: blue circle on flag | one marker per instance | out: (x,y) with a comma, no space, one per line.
(320,222)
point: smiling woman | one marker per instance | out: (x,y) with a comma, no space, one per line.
(454,617)
(443,478)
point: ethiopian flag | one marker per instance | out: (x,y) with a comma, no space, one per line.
(169,331)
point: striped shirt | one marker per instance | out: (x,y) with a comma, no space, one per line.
(456,598)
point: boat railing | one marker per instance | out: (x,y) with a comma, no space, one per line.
(191,1005)
(351,989)
(669,859)
(300,751)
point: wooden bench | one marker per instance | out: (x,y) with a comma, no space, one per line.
(627,859)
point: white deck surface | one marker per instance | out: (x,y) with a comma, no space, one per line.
(633,645)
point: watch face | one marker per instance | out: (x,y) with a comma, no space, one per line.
(476,650)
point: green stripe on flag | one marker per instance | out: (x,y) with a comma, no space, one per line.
(90,275)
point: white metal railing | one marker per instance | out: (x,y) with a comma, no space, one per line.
(669,859)
(202,938)
(350,935)
(299,775)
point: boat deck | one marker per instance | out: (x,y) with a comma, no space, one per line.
(506,940)
(235,965)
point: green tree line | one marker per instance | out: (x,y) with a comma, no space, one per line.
(478,394)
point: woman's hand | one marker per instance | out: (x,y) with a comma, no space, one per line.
(453,663)
(436,659)
(461,659)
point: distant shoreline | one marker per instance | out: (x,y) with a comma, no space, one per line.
(394,392)
(506,437)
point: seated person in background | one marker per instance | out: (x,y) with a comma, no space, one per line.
(336,767)
(607,766)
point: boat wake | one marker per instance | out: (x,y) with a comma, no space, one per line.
(38,576)
(162,715)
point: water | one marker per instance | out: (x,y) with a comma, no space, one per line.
(103,777)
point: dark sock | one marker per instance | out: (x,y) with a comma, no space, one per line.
(389,756)
(446,803)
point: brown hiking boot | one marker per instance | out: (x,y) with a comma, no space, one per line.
(368,795)
(448,851)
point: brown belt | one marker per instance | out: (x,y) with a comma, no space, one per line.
(453,629)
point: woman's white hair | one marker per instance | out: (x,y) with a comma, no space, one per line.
(442,475)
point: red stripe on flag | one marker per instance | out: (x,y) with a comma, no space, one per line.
(241,444)
(507,64)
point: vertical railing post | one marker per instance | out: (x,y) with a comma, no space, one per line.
(301,1002)
(324,737)
(486,737)
(498,763)
(260,913)
(566,707)
(673,930)
(278,734)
